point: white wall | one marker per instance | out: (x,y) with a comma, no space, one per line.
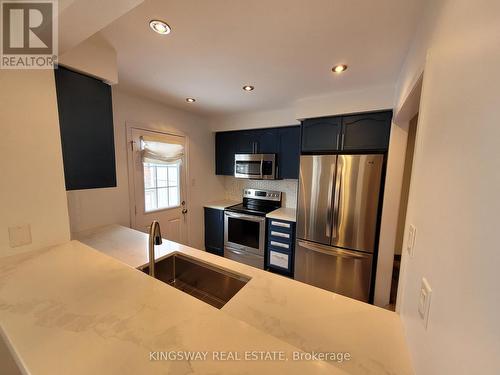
(453,198)
(390,215)
(289,188)
(32,187)
(96,207)
(368,99)
(95,57)
(80,19)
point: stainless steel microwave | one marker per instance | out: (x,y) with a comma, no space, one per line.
(255,166)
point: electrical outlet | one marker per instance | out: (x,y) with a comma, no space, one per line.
(410,244)
(19,235)
(424,301)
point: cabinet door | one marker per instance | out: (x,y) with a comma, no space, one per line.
(225,148)
(289,152)
(370,131)
(214,231)
(246,141)
(258,141)
(267,141)
(321,134)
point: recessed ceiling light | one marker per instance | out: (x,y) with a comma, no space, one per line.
(248,88)
(160,27)
(339,68)
(190,100)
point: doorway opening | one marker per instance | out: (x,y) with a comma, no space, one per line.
(403,207)
(407,119)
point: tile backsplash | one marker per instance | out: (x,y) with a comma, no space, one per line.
(234,188)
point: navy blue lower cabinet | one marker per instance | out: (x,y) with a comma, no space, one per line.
(214,231)
(280,246)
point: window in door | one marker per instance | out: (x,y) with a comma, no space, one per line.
(161,186)
(161,168)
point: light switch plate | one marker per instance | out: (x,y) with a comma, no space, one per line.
(424,301)
(19,235)
(410,244)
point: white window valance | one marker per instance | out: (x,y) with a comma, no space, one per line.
(154,151)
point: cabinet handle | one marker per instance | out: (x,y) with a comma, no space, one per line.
(338,139)
(279,234)
(279,244)
(280,224)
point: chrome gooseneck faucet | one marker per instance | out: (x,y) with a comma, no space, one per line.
(154,239)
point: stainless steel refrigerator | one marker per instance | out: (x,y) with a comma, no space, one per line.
(337,222)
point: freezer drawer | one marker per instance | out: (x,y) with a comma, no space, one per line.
(337,270)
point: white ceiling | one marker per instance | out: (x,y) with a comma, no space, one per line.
(285,48)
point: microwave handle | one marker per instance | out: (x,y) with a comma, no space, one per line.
(261,167)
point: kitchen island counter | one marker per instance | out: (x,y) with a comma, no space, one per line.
(76,310)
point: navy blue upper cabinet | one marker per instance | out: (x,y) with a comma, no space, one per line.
(265,141)
(365,132)
(321,134)
(289,152)
(258,141)
(245,142)
(225,148)
(360,132)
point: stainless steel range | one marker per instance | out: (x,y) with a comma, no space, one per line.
(245,226)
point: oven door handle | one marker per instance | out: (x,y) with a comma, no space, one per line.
(245,254)
(257,219)
(232,250)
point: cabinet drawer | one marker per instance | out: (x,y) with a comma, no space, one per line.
(280,260)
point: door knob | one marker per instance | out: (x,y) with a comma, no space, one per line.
(184,211)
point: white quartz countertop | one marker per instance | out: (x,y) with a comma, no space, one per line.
(222,204)
(71,309)
(283,213)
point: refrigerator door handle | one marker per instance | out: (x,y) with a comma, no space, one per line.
(329,217)
(336,203)
(332,251)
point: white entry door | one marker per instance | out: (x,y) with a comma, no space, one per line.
(157,173)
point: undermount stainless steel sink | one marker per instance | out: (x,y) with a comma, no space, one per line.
(206,282)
